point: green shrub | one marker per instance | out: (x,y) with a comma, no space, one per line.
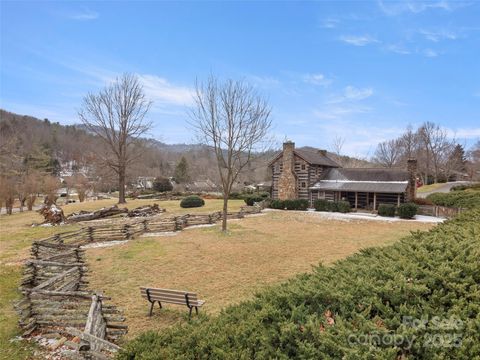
(322,205)
(407,210)
(192,201)
(386,210)
(297,204)
(235,195)
(343,206)
(250,200)
(325,205)
(162,184)
(467,199)
(427,276)
(277,204)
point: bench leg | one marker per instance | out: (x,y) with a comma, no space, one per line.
(196,310)
(190,312)
(160,304)
(151,308)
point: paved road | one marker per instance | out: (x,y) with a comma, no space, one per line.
(445,188)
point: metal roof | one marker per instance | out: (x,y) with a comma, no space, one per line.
(362,186)
(310,155)
(365,174)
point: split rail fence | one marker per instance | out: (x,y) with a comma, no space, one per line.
(56,297)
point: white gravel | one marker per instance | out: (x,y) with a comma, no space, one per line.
(363,216)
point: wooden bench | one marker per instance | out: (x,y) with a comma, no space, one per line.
(171,297)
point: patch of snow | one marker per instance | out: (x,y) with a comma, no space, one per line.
(157,234)
(103,244)
(199,226)
(363,216)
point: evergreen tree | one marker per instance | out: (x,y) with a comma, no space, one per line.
(181,171)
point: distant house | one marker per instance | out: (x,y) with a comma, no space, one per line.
(310,174)
(202,185)
(144,182)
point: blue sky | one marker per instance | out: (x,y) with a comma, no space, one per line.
(358,70)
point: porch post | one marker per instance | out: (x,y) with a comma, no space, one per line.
(398,199)
(374,201)
(356,199)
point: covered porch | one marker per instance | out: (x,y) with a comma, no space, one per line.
(360,194)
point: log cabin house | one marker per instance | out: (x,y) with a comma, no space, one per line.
(307,173)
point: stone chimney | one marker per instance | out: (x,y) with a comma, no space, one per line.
(287,183)
(412,179)
(322,152)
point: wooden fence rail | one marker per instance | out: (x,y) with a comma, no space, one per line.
(56,297)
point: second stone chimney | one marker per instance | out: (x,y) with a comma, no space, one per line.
(412,180)
(287,183)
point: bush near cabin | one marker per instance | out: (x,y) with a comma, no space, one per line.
(340,312)
(192,202)
(467,199)
(386,210)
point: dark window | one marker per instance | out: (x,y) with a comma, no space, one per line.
(303,166)
(304,184)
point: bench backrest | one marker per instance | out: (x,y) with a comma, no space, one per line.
(169,296)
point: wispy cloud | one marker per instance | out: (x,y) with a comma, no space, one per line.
(317,79)
(398,49)
(438,35)
(350,94)
(329,112)
(161,90)
(393,8)
(266,82)
(430,53)
(84,15)
(358,40)
(329,23)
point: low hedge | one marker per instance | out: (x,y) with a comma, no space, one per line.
(297,204)
(421,290)
(407,210)
(192,201)
(250,200)
(467,199)
(277,204)
(325,205)
(386,210)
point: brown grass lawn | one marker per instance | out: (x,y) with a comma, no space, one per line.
(225,269)
(16,236)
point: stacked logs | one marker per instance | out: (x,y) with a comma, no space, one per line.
(55,286)
(56,295)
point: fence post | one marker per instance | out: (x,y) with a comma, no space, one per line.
(126,230)
(90,233)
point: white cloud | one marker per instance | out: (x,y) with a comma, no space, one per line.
(329,23)
(430,53)
(162,91)
(85,15)
(317,79)
(330,112)
(393,8)
(398,49)
(351,94)
(263,81)
(438,35)
(358,40)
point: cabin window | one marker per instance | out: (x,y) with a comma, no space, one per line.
(303,166)
(304,184)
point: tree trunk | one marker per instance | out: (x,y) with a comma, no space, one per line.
(225,211)
(121,186)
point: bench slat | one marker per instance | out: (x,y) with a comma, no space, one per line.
(143,288)
(170,296)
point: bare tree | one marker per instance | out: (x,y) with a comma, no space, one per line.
(388,153)
(337,144)
(116,115)
(436,145)
(234,120)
